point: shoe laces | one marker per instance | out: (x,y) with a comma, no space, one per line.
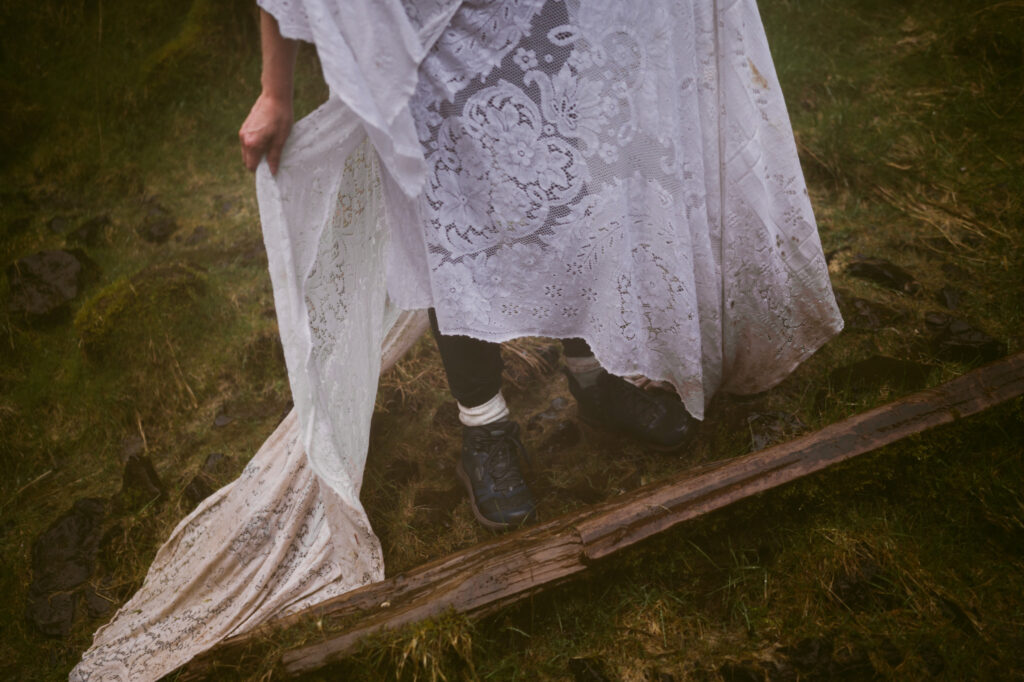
(503,451)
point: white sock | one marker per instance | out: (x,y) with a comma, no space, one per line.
(585,369)
(493,410)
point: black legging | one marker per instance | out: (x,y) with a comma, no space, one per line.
(474,366)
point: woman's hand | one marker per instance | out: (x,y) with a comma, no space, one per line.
(266,128)
(265,131)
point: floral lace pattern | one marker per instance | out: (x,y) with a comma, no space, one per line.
(621,172)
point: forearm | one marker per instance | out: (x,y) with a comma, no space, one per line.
(278,59)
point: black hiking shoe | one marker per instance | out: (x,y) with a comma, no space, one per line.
(489,467)
(658,419)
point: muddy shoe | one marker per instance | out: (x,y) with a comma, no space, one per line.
(489,467)
(658,419)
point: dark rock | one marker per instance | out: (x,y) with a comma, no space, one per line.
(90,231)
(59,224)
(746,671)
(52,614)
(42,285)
(140,484)
(883,272)
(96,604)
(949,297)
(197,490)
(158,225)
(63,556)
(222,419)
(956,340)
(878,371)
(860,314)
(158,230)
(63,559)
(217,464)
(768,428)
(588,670)
(224,205)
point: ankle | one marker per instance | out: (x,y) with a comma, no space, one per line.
(494,410)
(585,370)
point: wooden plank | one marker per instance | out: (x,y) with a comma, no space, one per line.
(646,511)
(510,568)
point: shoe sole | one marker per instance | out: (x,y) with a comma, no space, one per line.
(484,521)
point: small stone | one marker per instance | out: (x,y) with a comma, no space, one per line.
(53,614)
(225,205)
(197,490)
(949,297)
(861,314)
(216,464)
(559,403)
(158,225)
(222,420)
(96,604)
(957,340)
(89,231)
(140,484)
(63,556)
(43,285)
(63,559)
(768,428)
(885,273)
(59,224)
(158,230)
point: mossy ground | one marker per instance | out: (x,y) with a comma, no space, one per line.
(904,564)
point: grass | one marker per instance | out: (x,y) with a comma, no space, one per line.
(903,564)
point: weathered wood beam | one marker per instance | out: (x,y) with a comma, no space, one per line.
(487,576)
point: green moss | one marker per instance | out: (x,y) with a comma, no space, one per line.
(151,297)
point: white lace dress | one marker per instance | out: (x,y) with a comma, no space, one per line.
(624,172)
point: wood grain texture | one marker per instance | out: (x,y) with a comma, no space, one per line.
(488,576)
